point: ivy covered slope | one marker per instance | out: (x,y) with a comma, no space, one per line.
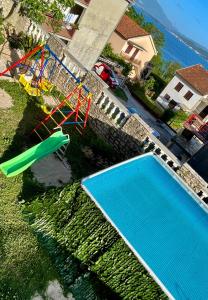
(69,217)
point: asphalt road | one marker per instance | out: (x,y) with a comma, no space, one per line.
(165,132)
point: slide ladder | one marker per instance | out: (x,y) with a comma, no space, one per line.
(65,113)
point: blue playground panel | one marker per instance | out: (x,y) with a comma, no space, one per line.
(161,221)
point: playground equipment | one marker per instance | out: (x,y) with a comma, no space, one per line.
(37,77)
(23,161)
(72,110)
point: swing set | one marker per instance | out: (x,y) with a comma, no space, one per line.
(36,71)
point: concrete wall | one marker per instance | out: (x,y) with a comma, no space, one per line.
(117,42)
(96,26)
(187,105)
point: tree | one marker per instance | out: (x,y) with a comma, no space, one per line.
(149,85)
(138,18)
(36,10)
(157,35)
(108,52)
(170,69)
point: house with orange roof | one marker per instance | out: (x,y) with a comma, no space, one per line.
(187,90)
(134,44)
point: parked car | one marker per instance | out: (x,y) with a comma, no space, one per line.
(106,74)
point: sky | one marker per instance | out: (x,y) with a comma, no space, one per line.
(189,17)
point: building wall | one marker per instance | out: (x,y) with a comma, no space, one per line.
(143,56)
(117,42)
(187,105)
(96,26)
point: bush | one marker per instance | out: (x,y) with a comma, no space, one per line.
(175,119)
(22,41)
(139,93)
(108,52)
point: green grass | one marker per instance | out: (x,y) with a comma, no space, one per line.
(75,237)
(139,93)
(119,92)
(175,119)
(24,267)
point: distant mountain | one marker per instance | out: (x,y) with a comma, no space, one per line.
(194,45)
(153,8)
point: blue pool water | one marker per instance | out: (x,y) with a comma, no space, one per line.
(160,220)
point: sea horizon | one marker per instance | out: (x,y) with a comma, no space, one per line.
(175,49)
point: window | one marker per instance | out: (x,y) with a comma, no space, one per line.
(172,104)
(167,97)
(178,87)
(188,95)
(128,49)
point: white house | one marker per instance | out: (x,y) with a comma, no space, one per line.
(187,90)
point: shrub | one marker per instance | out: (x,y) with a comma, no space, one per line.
(108,52)
(139,93)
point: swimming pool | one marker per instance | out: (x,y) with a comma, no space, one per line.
(160,220)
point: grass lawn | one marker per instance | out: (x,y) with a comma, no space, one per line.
(48,234)
(119,92)
(24,267)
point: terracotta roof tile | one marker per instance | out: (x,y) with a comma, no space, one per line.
(129,29)
(197,77)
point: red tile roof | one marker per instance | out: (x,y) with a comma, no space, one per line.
(197,77)
(129,29)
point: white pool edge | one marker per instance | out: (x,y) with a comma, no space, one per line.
(182,183)
(142,261)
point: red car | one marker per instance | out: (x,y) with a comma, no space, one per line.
(106,74)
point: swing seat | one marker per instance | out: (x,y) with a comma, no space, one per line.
(46,85)
(25,79)
(32,91)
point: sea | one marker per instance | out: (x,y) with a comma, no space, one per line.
(175,49)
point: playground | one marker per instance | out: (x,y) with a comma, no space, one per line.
(55,234)
(21,112)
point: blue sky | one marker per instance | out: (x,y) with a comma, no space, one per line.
(189,17)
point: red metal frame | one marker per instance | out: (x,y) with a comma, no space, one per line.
(35,50)
(82,106)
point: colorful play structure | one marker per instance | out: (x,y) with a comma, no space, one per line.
(36,71)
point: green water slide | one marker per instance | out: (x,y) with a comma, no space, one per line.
(23,161)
